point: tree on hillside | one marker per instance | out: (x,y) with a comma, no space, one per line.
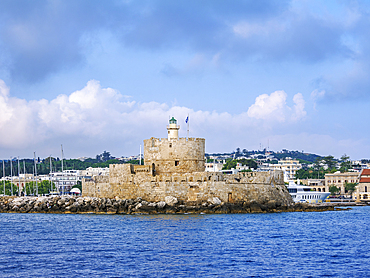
(345,163)
(231,163)
(317,166)
(329,161)
(105,156)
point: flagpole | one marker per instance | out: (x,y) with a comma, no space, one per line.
(188,126)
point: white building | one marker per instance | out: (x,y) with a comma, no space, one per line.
(241,167)
(64,181)
(90,172)
(289,166)
(213,167)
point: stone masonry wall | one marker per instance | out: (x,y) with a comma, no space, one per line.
(175,156)
(196,187)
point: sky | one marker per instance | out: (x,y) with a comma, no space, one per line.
(105,75)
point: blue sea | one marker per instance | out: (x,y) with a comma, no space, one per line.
(296,244)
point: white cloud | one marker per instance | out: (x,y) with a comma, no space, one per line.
(316,96)
(273,108)
(6,112)
(269,107)
(299,111)
(96,115)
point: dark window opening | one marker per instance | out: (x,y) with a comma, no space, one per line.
(177,163)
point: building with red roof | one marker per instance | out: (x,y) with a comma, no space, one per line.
(363,187)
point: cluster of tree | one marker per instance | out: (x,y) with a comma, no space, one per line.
(349,188)
(40,188)
(301,156)
(231,163)
(31,188)
(104,157)
(43,166)
(9,188)
(324,165)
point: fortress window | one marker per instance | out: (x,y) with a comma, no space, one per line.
(171,147)
(230,197)
(176,162)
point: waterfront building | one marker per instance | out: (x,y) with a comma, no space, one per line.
(316,184)
(22,180)
(64,181)
(363,188)
(339,180)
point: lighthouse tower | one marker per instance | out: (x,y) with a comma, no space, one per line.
(174,155)
(173,129)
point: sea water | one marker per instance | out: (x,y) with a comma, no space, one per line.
(296,244)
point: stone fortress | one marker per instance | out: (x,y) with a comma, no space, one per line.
(175,168)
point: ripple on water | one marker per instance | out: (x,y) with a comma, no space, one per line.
(328,244)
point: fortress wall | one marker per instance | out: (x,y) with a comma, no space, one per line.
(197,187)
(98,186)
(120,170)
(175,156)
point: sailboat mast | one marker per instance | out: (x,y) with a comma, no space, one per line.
(33,179)
(51,170)
(11,176)
(34,159)
(61,146)
(4,175)
(24,171)
(19,180)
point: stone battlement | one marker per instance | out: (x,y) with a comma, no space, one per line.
(188,187)
(175,168)
(175,155)
(179,139)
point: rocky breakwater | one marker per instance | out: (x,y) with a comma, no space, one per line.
(171,205)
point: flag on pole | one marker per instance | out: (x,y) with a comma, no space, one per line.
(187,121)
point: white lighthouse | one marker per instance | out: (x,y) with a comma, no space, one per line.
(173,129)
